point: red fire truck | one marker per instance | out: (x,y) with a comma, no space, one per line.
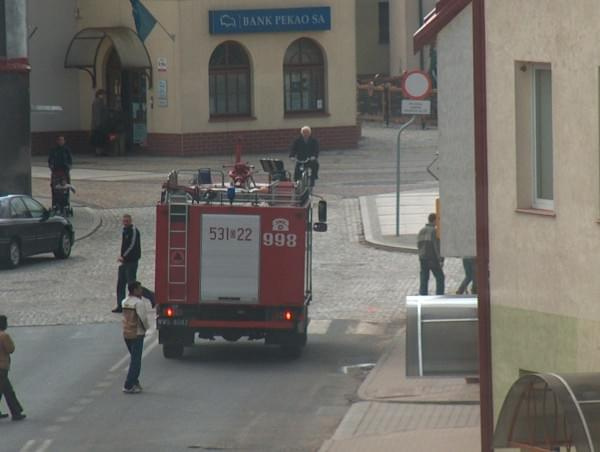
(233,259)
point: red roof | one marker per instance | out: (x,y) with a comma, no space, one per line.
(438,18)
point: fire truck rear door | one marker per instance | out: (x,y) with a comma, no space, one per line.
(230,258)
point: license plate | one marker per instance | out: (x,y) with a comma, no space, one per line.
(171,322)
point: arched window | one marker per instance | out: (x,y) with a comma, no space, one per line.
(304,77)
(229,78)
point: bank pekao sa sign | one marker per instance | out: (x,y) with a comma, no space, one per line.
(270,20)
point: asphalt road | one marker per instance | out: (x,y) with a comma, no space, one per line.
(219,396)
(70,361)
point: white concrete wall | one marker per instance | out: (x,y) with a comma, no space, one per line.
(537,261)
(456,143)
(51,83)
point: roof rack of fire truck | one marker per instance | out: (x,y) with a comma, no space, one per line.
(185,186)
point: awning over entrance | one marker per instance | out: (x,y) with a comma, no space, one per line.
(545,412)
(85,46)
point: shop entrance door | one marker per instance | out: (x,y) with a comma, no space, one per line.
(126,98)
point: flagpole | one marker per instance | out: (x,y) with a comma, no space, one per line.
(170,35)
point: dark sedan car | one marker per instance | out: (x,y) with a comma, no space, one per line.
(27,228)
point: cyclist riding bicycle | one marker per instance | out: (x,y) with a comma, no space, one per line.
(305,150)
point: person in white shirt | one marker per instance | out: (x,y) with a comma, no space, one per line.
(135,324)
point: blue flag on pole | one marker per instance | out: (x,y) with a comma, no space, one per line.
(144,20)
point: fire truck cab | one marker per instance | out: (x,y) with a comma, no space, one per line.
(233,259)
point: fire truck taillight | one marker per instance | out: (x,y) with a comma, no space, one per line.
(169,312)
(288,315)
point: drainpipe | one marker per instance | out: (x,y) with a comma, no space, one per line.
(482,226)
(15,126)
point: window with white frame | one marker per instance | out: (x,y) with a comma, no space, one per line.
(543,160)
(534,136)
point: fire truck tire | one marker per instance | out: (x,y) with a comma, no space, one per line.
(172,351)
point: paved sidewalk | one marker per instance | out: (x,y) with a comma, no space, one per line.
(395,412)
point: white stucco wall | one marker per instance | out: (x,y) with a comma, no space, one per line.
(50,82)
(456,143)
(541,262)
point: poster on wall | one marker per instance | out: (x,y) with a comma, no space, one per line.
(161,64)
(163,94)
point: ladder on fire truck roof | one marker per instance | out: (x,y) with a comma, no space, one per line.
(178,243)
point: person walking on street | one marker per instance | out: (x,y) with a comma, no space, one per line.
(135,324)
(7,347)
(306,148)
(469,266)
(430,257)
(131,251)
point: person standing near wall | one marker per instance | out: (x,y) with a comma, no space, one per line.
(99,127)
(430,258)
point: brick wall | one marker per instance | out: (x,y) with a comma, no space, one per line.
(343,137)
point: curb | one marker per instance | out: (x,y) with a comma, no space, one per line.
(380,363)
(371,230)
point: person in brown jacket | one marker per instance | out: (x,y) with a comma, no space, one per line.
(6,348)
(135,324)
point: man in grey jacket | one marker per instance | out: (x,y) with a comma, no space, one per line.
(430,258)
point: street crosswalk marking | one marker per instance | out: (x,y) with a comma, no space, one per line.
(367,328)
(29,446)
(351,327)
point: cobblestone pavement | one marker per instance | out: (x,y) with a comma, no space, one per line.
(350,279)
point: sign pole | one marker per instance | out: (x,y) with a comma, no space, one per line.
(416,87)
(404,126)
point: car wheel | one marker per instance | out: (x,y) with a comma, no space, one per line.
(14,254)
(64,245)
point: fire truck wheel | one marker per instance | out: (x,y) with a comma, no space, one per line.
(172,351)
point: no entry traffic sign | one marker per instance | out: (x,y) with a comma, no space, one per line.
(416,85)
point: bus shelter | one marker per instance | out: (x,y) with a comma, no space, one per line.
(551,412)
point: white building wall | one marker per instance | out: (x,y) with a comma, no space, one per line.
(456,143)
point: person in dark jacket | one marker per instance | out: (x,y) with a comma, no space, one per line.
(60,159)
(430,257)
(131,251)
(99,125)
(306,147)
(59,162)
(7,347)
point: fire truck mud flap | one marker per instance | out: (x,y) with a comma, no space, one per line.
(174,340)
